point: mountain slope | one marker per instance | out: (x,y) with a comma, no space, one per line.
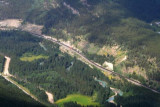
(119,32)
(109,23)
(12,96)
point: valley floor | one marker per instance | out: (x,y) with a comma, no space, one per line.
(83,58)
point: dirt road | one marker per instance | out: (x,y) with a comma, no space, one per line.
(6,66)
(50,97)
(7,76)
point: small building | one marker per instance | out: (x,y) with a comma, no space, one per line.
(108,65)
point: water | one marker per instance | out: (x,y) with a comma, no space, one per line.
(70,66)
(43,46)
(111,99)
(102,83)
(120,93)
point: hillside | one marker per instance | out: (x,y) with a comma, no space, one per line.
(120,35)
(97,27)
(10,95)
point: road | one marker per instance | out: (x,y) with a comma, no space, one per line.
(50,97)
(6,66)
(6,75)
(92,62)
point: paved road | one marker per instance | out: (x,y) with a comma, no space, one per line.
(93,63)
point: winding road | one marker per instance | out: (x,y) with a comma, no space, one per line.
(6,75)
(92,62)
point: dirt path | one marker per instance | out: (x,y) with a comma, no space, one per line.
(6,66)
(20,87)
(50,97)
(7,76)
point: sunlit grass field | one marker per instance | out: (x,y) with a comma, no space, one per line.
(30,57)
(80,99)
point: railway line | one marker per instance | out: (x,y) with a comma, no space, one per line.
(92,62)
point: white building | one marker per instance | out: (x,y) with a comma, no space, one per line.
(108,65)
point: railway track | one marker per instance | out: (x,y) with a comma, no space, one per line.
(92,62)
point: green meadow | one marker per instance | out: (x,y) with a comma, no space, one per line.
(30,57)
(80,99)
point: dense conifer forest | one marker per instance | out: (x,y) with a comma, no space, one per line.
(52,74)
(91,26)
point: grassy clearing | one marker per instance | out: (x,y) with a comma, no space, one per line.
(93,49)
(80,99)
(30,57)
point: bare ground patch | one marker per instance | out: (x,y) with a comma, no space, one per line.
(50,97)
(36,29)
(10,23)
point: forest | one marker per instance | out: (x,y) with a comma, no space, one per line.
(1,63)
(102,23)
(39,75)
(10,95)
(57,75)
(119,25)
